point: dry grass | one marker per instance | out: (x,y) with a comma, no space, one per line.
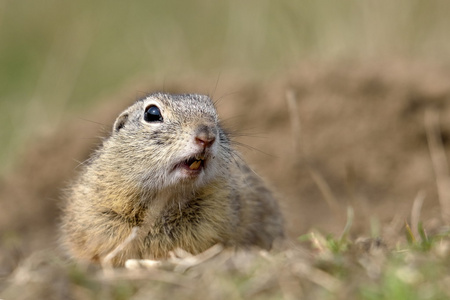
(321,267)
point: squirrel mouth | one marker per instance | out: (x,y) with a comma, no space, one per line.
(193,165)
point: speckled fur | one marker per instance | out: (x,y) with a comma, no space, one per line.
(129,182)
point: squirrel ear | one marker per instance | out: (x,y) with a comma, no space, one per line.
(120,121)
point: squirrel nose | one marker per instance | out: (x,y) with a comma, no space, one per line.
(205,137)
(204,140)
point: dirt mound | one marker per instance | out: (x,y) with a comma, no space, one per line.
(326,136)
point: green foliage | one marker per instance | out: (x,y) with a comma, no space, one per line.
(409,276)
(80,277)
(425,243)
(337,245)
(416,270)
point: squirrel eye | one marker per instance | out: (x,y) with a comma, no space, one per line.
(153,114)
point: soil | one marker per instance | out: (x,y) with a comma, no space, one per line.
(324,136)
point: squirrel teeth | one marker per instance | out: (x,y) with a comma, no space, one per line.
(195,165)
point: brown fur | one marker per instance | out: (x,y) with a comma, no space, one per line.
(129,182)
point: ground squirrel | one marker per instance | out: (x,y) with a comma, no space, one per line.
(169,169)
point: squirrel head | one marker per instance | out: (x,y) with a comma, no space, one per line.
(165,140)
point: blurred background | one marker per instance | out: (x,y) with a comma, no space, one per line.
(57,57)
(330,98)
